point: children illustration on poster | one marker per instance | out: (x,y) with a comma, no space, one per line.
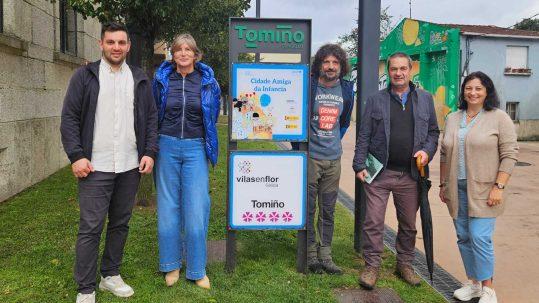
(269,102)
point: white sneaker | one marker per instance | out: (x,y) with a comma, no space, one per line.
(488,296)
(469,291)
(86,298)
(117,286)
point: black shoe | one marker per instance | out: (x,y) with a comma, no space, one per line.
(314,266)
(330,267)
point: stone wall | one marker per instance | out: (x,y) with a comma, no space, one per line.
(527,130)
(34,74)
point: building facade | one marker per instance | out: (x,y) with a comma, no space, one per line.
(511,59)
(443,54)
(41,44)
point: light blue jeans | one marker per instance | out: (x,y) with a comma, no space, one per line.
(474,238)
(183,205)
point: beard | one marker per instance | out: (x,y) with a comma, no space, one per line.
(112,60)
(330,77)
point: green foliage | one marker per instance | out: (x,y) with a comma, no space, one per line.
(158,20)
(528,24)
(349,41)
(209,26)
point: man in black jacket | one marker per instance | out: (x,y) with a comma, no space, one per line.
(398,125)
(109,133)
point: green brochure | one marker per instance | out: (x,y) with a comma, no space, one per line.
(373,168)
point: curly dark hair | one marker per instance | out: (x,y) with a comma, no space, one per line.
(330,50)
(491,101)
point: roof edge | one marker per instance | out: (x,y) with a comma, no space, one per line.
(467,33)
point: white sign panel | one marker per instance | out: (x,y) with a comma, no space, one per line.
(269,102)
(267,190)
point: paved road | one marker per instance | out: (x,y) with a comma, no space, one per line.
(516,239)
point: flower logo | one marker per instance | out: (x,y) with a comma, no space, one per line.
(274,216)
(245,167)
(261,217)
(287,217)
(247,217)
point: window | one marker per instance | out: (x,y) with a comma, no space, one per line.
(68,29)
(516,60)
(512,110)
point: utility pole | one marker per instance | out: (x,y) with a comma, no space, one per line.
(367,84)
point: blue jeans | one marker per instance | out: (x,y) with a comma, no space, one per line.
(474,238)
(183,205)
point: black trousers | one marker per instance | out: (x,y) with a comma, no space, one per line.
(100,195)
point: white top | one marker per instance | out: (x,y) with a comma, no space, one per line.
(463,131)
(115,144)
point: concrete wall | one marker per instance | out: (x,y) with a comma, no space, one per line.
(33,78)
(489,56)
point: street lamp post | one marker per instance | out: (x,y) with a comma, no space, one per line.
(367,84)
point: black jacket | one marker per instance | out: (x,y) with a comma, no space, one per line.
(78,113)
(374,131)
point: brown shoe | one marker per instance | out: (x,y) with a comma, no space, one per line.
(368,277)
(406,272)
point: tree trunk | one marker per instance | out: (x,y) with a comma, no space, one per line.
(148,63)
(141,55)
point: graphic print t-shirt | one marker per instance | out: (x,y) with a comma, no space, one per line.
(325,136)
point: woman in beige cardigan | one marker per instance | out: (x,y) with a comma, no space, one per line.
(478,153)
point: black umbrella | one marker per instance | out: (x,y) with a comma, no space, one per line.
(426,216)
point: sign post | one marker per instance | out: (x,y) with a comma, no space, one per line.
(268,101)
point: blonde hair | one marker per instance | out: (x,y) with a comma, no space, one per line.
(190,41)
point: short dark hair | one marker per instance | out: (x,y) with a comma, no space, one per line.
(491,101)
(399,55)
(330,50)
(113,27)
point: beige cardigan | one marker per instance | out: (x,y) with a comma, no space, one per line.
(490,147)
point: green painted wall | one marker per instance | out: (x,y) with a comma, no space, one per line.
(435,50)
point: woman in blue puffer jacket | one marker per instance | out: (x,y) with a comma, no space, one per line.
(187,97)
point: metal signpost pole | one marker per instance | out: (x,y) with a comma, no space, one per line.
(367,84)
(230,260)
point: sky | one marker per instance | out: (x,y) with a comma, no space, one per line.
(332,18)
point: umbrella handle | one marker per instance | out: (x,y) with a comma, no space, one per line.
(420,167)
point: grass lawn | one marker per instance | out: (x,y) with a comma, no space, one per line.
(37,240)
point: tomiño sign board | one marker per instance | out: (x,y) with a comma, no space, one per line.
(269,102)
(252,35)
(267,190)
(269,82)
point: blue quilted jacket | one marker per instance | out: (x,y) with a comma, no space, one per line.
(210,95)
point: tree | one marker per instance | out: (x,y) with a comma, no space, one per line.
(157,20)
(528,24)
(349,40)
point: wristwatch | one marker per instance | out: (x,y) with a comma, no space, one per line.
(499,185)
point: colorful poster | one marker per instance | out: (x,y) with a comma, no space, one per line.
(267,190)
(269,102)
